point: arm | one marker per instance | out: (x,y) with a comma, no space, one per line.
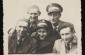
(56,47)
(33,47)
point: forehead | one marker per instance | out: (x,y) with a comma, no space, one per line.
(41,24)
(41,29)
(22,23)
(33,10)
(65,30)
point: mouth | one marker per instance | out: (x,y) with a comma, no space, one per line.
(52,21)
(66,39)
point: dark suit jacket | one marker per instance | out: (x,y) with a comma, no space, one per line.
(29,45)
(46,45)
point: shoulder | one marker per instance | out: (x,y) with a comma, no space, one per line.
(63,22)
(33,40)
(57,44)
(58,41)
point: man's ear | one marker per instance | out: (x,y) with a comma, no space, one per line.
(39,13)
(27,12)
(60,15)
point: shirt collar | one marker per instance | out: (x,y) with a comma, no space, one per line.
(56,26)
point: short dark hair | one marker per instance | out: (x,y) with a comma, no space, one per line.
(54,5)
(65,25)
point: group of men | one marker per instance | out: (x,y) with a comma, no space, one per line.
(66,41)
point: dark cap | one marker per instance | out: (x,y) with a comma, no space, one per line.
(54,7)
(44,24)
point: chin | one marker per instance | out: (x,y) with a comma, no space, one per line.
(42,38)
(53,22)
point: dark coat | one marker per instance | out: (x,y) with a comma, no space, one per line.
(29,45)
(46,45)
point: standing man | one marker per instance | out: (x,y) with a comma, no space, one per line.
(33,13)
(68,42)
(54,11)
(20,42)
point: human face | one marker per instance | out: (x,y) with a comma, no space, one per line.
(66,34)
(54,14)
(42,33)
(21,28)
(33,13)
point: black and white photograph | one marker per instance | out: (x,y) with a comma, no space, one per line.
(42,27)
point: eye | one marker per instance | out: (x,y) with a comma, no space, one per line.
(62,34)
(20,26)
(67,33)
(55,14)
(25,27)
(35,13)
(39,31)
(31,13)
(50,14)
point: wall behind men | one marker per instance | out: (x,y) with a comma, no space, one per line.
(16,9)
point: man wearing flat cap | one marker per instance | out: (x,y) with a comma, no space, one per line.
(54,11)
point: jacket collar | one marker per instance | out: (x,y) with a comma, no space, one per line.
(47,41)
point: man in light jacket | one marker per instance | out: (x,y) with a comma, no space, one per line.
(68,42)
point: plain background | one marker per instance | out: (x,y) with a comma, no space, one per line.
(17,9)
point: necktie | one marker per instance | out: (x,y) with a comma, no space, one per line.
(67,46)
(18,45)
(19,41)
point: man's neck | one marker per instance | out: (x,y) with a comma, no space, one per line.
(33,23)
(19,37)
(57,23)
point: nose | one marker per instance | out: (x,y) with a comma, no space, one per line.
(22,29)
(65,36)
(41,34)
(51,17)
(33,15)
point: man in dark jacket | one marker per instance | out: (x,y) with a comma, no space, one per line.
(54,11)
(33,14)
(20,41)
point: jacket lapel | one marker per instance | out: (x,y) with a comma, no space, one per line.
(13,45)
(62,48)
(73,46)
(47,41)
(44,44)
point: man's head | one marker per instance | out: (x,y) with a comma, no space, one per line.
(54,12)
(22,27)
(43,29)
(33,13)
(67,32)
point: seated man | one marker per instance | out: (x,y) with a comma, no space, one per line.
(68,42)
(20,42)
